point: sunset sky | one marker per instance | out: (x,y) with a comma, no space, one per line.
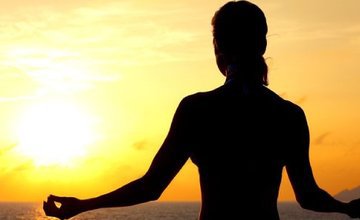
(88,88)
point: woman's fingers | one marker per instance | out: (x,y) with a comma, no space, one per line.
(50,209)
(61,207)
(53,198)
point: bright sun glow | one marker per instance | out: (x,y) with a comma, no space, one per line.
(54,133)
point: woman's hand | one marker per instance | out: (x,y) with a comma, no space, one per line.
(69,207)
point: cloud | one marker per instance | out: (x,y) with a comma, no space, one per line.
(320,139)
(140,145)
(23,167)
(330,11)
(4,150)
(11,169)
(298,101)
(115,28)
(320,24)
(71,48)
(15,84)
(18,98)
(301,100)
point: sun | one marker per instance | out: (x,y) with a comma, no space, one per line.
(54,133)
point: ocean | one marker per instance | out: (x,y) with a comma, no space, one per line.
(153,211)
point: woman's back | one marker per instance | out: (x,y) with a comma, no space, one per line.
(239,143)
(240,136)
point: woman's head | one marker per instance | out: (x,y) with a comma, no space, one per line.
(239,36)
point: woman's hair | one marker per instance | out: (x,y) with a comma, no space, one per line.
(239,32)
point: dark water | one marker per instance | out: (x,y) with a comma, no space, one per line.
(152,211)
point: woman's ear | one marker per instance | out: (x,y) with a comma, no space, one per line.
(220,59)
(221,63)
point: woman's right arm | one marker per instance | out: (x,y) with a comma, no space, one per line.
(170,158)
(308,194)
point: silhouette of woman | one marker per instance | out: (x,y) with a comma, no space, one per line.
(240,135)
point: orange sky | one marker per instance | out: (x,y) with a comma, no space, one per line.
(88,90)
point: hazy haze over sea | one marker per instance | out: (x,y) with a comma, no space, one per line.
(153,211)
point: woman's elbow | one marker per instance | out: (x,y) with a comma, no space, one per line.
(306,204)
(152,191)
(307,201)
(317,200)
(154,195)
(152,187)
